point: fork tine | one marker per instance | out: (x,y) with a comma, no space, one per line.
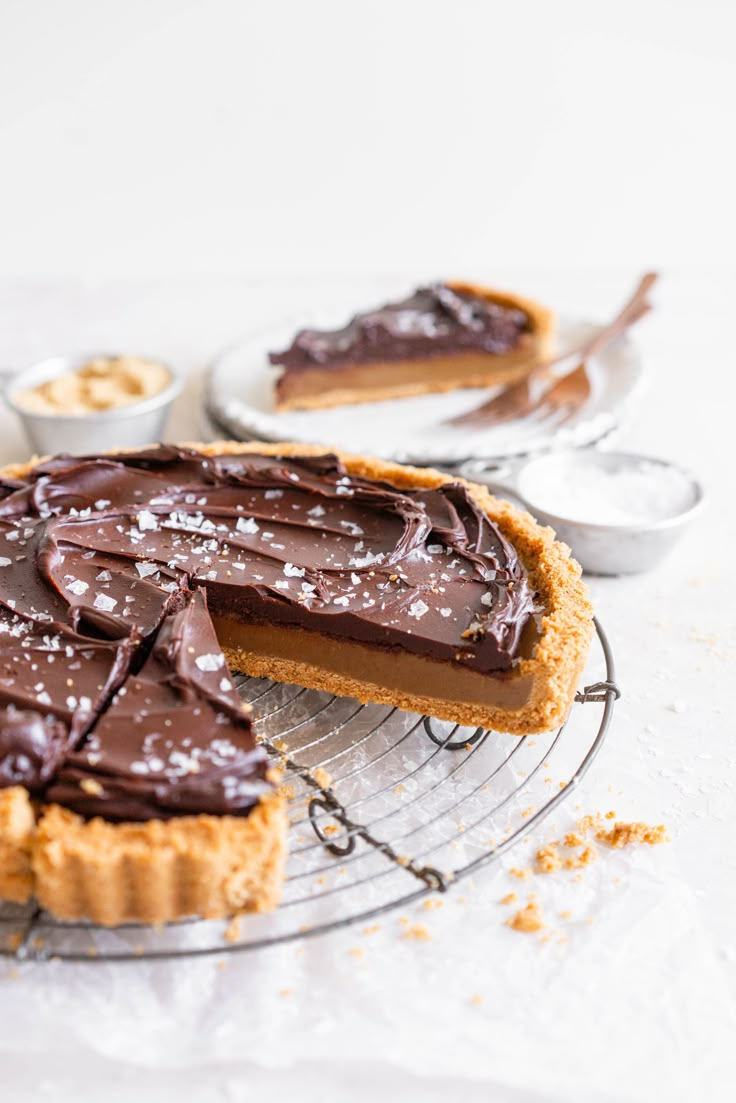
(508,404)
(568,394)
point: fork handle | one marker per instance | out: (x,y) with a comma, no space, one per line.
(632,310)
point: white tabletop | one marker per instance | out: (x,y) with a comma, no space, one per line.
(638,1002)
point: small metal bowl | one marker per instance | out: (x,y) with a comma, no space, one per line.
(131,426)
(605,549)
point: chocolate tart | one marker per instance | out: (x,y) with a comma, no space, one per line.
(442,337)
(132,787)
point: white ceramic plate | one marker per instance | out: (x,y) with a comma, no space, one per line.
(239,397)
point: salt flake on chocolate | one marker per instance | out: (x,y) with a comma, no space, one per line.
(104,602)
(247,525)
(209,663)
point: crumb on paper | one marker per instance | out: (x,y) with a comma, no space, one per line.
(509,898)
(418,933)
(372,928)
(285,992)
(433,903)
(322,777)
(528,919)
(590,823)
(586,857)
(573,838)
(330,829)
(356,951)
(548,858)
(624,834)
(522,874)
(476,1000)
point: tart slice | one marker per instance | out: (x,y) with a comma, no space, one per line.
(440,338)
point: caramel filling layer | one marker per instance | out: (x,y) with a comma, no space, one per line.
(408,376)
(258,649)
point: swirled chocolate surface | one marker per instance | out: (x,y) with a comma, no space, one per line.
(115,693)
(434,320)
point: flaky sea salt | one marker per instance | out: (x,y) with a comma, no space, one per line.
(210,662)
(246,525)
(147,521)
(599,491)
(104,602)
(146,569)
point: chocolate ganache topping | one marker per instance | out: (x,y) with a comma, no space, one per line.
(434,320)
(114,694)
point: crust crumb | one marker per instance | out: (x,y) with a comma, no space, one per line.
(433,903)
(624,834)
(590,823)
(522,874)
(476,1000)
(548,859)
(356,951)
(509,898)
(322,777)
(372,929)
(586,857)
(528,919)
(418,932)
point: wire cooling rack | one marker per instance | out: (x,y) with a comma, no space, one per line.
(385,807)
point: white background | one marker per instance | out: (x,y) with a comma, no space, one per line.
(331,137)
(170,173)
